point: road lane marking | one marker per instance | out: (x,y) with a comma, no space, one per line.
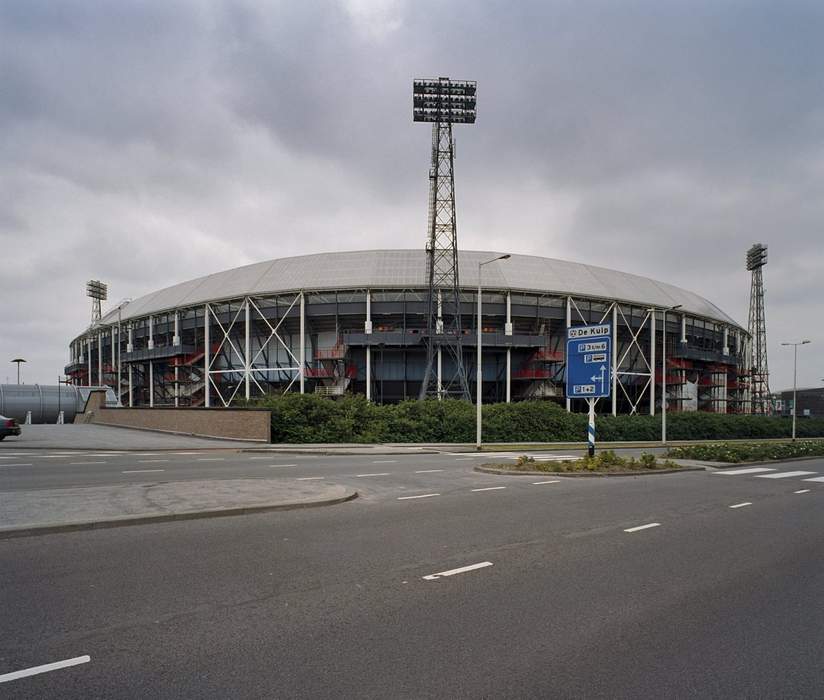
(490,488)
(428,471)
(556,458)
(785,475)
(278,466)
(377,474)
(464,459)
(185,453)
(264,457)
(554,481)
(802,491)
(423,495)
(741,505)
(461,570)
(21,464)
(211,459)
(751,470)
(150,461)
(819,479)
(79,463)
(310,478)
(384,461)
(142,471)
(45,668)
(145,454)
(638,528)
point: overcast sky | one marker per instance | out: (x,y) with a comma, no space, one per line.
(146,143)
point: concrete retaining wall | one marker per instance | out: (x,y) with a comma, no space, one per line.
(224,423)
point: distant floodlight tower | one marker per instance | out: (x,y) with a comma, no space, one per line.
(757,327)
(98,291)
(443,102)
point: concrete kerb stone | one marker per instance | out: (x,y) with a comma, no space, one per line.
(48,529)
(650,472)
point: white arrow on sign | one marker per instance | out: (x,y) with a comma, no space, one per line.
(596,378)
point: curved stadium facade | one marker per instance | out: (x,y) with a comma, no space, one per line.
(355,322)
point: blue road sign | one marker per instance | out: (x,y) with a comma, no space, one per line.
(588,355)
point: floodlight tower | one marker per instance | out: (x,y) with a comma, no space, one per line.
(757,327)
(97,291)
(443,102)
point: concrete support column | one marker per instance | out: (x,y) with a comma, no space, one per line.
(568,324)
(247,353)
(112,330)
(131,388)
(726,349)
(130,344)
(177,387)
(206,360)
(614,360)
(652,363)
(151,333)
(89,352)
(176,337)
(151,384)
(302,342)
(683,329)
(100,359)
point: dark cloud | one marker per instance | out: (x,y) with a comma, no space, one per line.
(149,142)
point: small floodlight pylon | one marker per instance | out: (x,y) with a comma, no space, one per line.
(98,292)
(757,327)
(443,102)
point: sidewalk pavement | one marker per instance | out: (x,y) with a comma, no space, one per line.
(105,437)
(45,511)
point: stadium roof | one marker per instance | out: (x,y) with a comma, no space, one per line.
(386,269)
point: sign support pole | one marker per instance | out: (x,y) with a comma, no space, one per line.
(591,428)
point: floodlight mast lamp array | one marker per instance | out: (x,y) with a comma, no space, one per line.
(757,328)
(443,102)
(98,291)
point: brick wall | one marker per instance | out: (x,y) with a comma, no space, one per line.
(231,423)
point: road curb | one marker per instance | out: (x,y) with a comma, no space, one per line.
(337,453)
(650,472)
(732,465)
(35,530)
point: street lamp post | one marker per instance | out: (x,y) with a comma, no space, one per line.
(18,360)
(479,382)
(795,377)
(664,375)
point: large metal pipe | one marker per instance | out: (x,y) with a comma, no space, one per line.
(45,401)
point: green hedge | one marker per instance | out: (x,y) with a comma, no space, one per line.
(308,418)
(743,452)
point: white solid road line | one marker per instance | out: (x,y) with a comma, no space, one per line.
(211,459)
(264,457)
(554,481)
(79,463)
(465,459)
(22,464)
(151,461)
(741,505)
(142,471)
(462,570)
(642,527)
(45,668)
(310,478)
(751,470)
(378,474)
(819,479)
(423,495)
(785,475)
(490,488)
(428,471)
(277,466)
(384,461)
(184,453)
(802,491)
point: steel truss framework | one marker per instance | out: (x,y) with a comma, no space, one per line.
(757,328)
(373,341)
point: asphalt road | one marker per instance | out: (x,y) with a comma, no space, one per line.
(564,597)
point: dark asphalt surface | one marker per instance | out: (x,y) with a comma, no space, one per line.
(713,603)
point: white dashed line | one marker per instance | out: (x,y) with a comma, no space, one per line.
(785,475)
(211,459)
(741,505)
(378,474)
(264,457)
(423,495)
(554,481)
(186,454)
(642,527)
(45,668)
(751,470)
(817,478)
(464,459)
(490,488)
(802,491)
(151,461)
(142,471)
(73,464)
(310,478)
(384,461)
(428,471)
(278,466)
(461,570)
(21,464)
